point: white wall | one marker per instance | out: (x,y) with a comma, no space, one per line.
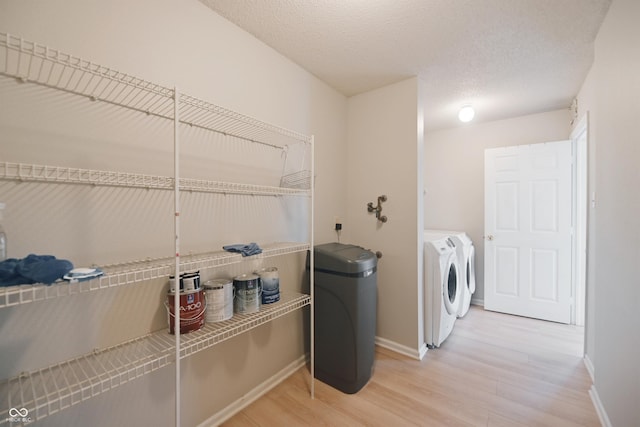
(173,43)
(454,172)
(611,95)
(384,152)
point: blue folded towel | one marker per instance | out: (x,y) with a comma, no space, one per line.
(33,269)
(245,250)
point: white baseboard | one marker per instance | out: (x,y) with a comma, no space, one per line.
(597,403)
(477,301)
(589,366)
(423,351)
(402,349)
(253,395)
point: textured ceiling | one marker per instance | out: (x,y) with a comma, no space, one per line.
(506,57)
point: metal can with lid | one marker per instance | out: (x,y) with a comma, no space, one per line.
(247,293)
(219,295)
(270,282)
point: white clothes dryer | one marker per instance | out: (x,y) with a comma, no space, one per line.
(441,290)
(466,261)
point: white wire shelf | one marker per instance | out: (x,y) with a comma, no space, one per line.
(31,62)
(187,184)
(63,175)
(27,61)
(195,112)
(138,271)
(49,390)
(218,259)
(214,333)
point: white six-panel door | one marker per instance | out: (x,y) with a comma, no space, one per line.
(528,261)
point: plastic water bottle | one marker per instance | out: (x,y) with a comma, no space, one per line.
(3,236)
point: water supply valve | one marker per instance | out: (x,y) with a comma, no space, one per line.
(378,209)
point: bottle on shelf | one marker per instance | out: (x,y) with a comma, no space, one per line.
(3,236)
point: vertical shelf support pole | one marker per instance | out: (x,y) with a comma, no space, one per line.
(176,224)
(312,270)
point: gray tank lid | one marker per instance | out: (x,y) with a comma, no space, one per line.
(343,258)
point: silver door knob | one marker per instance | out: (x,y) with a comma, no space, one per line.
(490,237)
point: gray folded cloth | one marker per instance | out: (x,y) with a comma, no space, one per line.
(245,249)
(33,269)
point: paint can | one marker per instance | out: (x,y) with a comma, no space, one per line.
(188,282)
(191,281)
(270,282)
(219,295)
(247,293)
(192,308)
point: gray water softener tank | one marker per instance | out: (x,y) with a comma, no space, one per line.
(345,302)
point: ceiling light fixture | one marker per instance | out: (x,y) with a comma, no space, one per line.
(466,113)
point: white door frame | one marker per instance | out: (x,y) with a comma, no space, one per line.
(579,143)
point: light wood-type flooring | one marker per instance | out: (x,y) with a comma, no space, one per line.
(494,370)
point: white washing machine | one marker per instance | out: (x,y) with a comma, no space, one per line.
(466,260)
(441,289)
